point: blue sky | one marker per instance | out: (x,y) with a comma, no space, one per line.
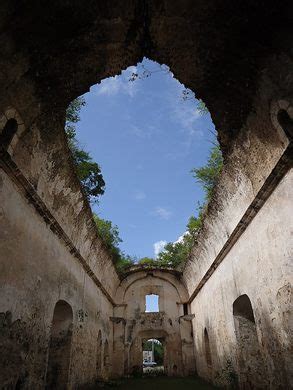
(146,139)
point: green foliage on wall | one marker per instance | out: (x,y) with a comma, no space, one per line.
(208,174)
(109,233)
(88,171)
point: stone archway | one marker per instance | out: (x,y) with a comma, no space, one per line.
(250,362)
(172,352)
(60,346)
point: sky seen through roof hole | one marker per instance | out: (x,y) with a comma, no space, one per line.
(146,138)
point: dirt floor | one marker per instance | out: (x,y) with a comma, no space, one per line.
(164,383)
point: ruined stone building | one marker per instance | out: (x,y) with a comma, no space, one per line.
(66,317)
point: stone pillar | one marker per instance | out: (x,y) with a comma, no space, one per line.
(188,358)
(118,345)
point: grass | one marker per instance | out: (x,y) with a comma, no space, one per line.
(164,383)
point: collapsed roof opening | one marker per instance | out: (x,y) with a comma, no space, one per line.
(146,132)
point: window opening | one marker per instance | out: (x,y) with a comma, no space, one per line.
(185,309)
(152,303)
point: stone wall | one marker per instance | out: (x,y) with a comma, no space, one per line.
(170,324)
(245,247)
(260,269)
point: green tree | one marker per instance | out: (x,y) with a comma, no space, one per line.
(109,233)
(194,224)
(73,116)
(88,171)
(123,263)
(147,261)
(208,174)
(174,253)
(202,108)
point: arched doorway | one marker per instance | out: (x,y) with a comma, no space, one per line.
(153,356)
(172,352)
(60,347)
(250,362)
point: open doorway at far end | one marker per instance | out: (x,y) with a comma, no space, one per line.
(153,357)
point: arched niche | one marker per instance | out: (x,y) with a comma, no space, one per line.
(207,349)
(60,346)
(11,128)
(99,354)
(282,119)
(172,361)
(106,357)
(250,363)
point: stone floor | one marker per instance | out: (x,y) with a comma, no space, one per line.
(164,383)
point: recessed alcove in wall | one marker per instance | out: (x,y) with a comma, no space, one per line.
(282,119)
(250,361)
(286,122)
(11,128)
(99,354)
(207,348)
(60,346)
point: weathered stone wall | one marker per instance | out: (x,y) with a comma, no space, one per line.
(169,324)
(259,268)
(245,245)
(37,270)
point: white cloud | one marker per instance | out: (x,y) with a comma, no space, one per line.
(180,238)
(159,246)
(163,213)
(119,84)
(139,195)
